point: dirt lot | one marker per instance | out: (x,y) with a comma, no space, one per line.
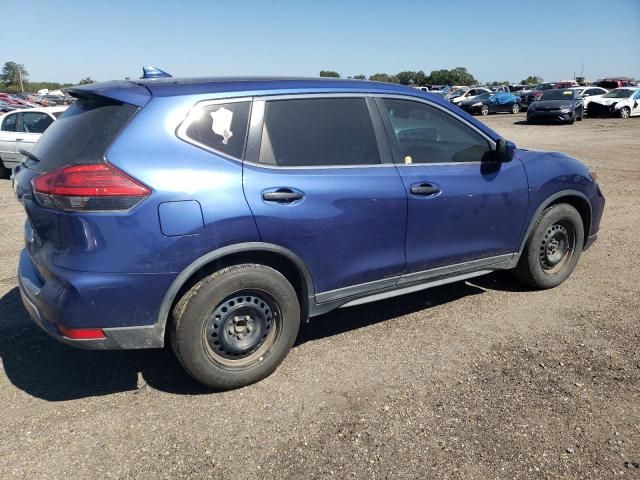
(482,379)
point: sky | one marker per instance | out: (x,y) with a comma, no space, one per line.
(66,40)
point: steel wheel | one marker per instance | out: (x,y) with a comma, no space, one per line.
(484,110)
(242,329)
(625,112)
(557,248)
(515,108)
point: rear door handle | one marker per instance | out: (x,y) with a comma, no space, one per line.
(282,195)
(425,189)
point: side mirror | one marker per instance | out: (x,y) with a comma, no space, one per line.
(504,150)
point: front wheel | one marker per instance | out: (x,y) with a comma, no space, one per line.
(552,249)
(235,327)
(625,112)
(484,110)
(515,108)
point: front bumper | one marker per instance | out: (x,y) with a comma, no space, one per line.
(548,116)
(599,110)
(119,304)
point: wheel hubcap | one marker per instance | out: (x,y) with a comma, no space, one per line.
(241,327)
(556,248)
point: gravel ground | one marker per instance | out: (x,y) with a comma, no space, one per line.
(481,379)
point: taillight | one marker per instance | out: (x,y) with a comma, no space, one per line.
(82,333)
(92,187)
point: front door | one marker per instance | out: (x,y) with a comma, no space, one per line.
(321,183)
(460,209)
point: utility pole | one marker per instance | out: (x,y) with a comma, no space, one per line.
(20,77)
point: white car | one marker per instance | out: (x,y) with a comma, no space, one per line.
(620,102)
(20,130)
(469,94)
(590,93)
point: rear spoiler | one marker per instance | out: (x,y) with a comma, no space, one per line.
(120,90)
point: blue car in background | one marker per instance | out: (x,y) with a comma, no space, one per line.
(218,214)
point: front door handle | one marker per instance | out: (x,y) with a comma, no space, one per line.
(282,195)
(425,189)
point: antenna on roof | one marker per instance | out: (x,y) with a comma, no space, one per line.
(153,72)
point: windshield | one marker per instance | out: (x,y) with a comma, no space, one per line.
(458,92)
(557,95)
(618,93)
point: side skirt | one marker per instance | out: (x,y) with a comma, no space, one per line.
(408,283)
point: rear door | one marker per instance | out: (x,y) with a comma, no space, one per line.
(8,134)
(460,209)
(319,179)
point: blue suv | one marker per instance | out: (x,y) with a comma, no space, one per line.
(217,214)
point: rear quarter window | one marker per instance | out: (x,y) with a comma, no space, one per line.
(81,134)
(221,127)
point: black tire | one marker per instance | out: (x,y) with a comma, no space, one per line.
(625,112)
(581,116)
(484,110)
(515,108)
(207,319)
(559,227)
(572,119)
(4,171)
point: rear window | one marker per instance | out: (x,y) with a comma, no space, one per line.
(82,134)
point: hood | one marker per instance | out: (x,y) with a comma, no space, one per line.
(608,101)
(553,104)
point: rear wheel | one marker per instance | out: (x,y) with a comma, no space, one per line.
(515,108)
(553,248)
(235,327)
(625,112)
(4,171)
(484,110)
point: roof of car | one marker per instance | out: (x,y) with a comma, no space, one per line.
(180,86)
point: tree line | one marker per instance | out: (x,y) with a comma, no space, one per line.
(456,76)
(14,77)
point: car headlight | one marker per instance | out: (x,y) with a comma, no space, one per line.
(566,109)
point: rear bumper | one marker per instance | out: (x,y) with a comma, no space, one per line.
(122,305)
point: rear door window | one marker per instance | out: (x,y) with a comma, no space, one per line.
(221,127)
(318,132)
(35,122)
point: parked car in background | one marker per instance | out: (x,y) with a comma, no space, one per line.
(501,88)
(20,130)
(267,218)
(562,104)
(588,94)
(531,96)
(620,102)
(565,84)
(491,103)
(468,94)
(615,82)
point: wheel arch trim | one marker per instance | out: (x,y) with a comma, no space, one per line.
(248,247)
(548,201)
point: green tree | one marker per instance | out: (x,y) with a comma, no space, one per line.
(532,80)
(412,78)
(383,77)
(86,81)
(14,74)
(329,73)
(457,76)
(359,77)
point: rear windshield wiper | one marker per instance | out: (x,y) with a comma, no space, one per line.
(29,155)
